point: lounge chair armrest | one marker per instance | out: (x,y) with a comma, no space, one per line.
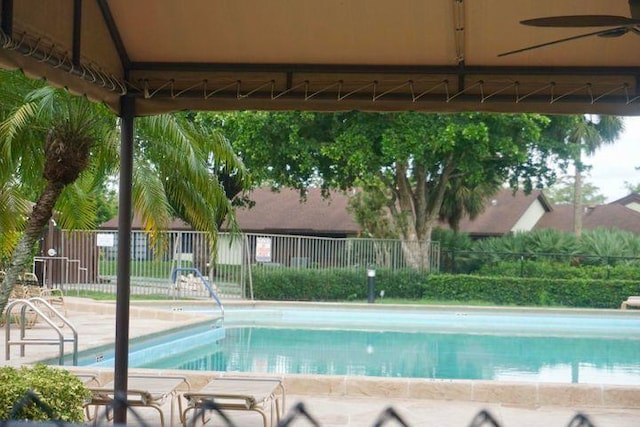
(245,401)
(104,396)
(55,293)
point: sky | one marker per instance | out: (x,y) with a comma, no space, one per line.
(613,164)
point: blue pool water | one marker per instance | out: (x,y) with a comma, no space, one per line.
(449,344)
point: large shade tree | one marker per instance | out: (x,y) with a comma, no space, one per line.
(61,148)
(416,168)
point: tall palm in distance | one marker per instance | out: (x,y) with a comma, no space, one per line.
(61,148)
(588,135)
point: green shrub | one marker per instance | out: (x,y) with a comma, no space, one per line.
(557,270)
(607,244)
(58,389)
(600,247)
(288,284)
(543,288)
(531,291)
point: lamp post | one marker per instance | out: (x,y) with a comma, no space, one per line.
(371,284)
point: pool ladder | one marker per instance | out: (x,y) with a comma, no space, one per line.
(212,293)
(35,304)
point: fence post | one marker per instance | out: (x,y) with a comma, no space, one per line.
(453,260)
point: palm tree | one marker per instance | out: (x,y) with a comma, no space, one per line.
(461,199)
(588,135)
(63,148)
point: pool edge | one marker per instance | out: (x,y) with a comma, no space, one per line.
(531,395)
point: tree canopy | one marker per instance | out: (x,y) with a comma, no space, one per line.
(416,168)
(563,192)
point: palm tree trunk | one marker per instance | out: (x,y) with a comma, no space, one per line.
(577,201)
(40,217)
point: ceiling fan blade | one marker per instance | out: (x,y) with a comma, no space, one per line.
(581,21)
(595,33)
(615,32)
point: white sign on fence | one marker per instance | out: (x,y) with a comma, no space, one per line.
(229,250)
(263,249)
(104,240)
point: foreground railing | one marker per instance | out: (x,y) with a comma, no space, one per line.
(297,415)
(34,305)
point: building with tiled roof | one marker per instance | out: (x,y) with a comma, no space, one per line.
(507,213)
(285,212)
(632,201)
(611,215)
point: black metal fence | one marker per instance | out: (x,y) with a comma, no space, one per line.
(299,412)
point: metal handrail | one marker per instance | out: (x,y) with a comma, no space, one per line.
(213,294)
(30,303)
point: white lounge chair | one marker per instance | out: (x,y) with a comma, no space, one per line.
(260,395)
(148,391)
(633,301)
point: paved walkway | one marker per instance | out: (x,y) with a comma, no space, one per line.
(95,324)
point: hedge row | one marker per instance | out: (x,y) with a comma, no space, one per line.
(555,270)
(333,285)
(591,293)
(347,285)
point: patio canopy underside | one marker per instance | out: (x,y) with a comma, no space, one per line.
(377,55)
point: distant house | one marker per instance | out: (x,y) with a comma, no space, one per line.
(622,214)
(507,213)
(284,212)
(632,201)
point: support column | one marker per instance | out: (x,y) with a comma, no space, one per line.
(121,362)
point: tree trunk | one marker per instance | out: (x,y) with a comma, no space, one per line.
(39,219)
(421,211)
(577,202)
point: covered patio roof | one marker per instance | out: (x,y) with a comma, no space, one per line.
(143,57)
(376,55)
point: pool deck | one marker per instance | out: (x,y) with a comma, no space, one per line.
(337,401)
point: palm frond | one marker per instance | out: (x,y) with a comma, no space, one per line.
(76,207)
(16,122)
(14,209)
(149,199)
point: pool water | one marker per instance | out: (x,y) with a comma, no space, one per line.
(451,345)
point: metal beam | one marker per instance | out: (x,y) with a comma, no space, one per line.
(115,34)
(379,69)
(77,31)
(7,17)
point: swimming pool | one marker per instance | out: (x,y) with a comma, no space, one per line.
(519,345)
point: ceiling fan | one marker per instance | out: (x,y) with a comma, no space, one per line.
(620,25)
